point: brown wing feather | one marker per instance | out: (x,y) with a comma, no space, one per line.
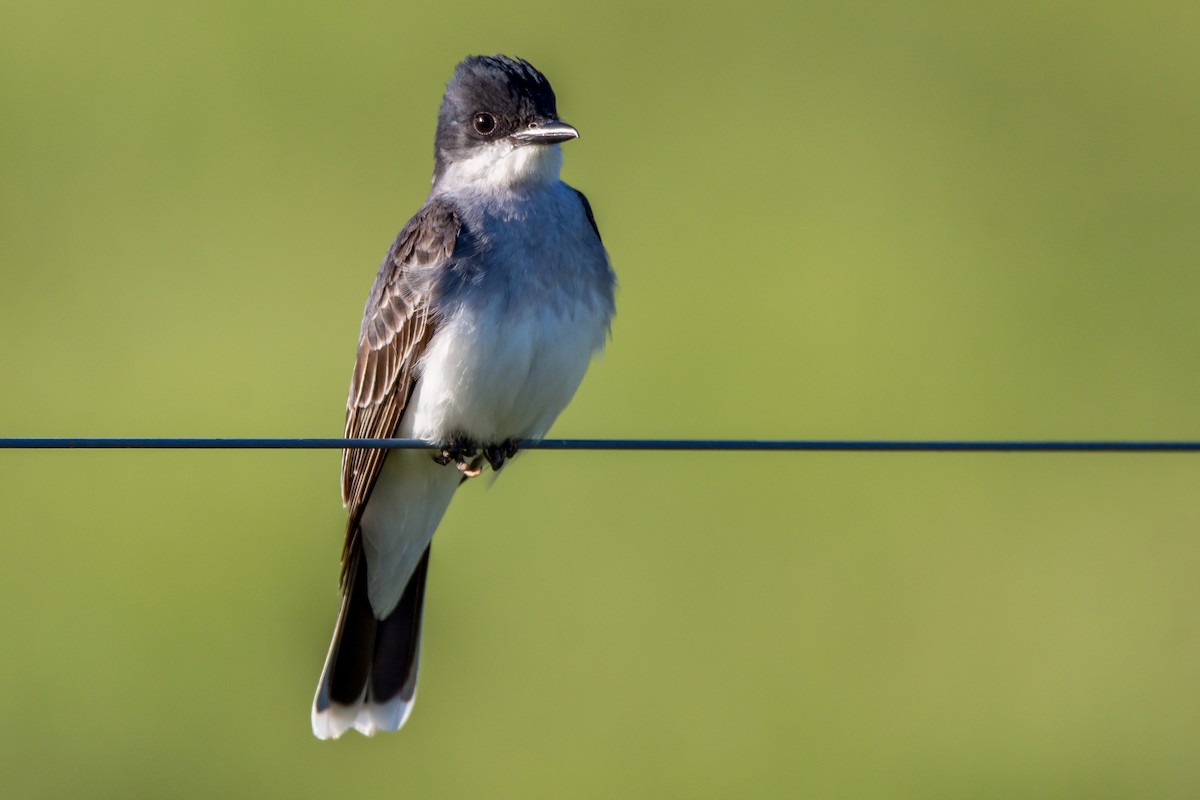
(397,326)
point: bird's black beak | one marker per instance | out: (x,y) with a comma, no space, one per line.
(545,131)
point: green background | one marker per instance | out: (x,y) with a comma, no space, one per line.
(919,220)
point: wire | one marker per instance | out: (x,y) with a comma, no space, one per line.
(725,445)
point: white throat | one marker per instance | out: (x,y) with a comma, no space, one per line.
(503,165)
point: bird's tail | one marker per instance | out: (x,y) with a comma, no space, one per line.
(370,676)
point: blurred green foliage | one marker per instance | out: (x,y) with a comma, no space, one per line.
(829,219)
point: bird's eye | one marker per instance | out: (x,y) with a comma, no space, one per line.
(484,123)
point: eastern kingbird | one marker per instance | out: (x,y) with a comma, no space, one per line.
(477,331)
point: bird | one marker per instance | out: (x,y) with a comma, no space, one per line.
(477,331)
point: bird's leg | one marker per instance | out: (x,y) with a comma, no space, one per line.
(497,454)
(462,453)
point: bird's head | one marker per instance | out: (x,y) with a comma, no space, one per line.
(498,126)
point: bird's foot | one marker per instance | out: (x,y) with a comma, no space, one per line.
(497,454)
(462,454)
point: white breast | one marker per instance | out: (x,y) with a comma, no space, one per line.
(496,373)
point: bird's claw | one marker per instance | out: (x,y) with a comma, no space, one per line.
(497,454)
(463,455)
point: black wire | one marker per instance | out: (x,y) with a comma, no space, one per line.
(726,445)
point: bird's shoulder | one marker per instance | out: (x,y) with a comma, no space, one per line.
(426,242)
(428,238)
(409,273)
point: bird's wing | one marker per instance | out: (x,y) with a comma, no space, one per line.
(397,325)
